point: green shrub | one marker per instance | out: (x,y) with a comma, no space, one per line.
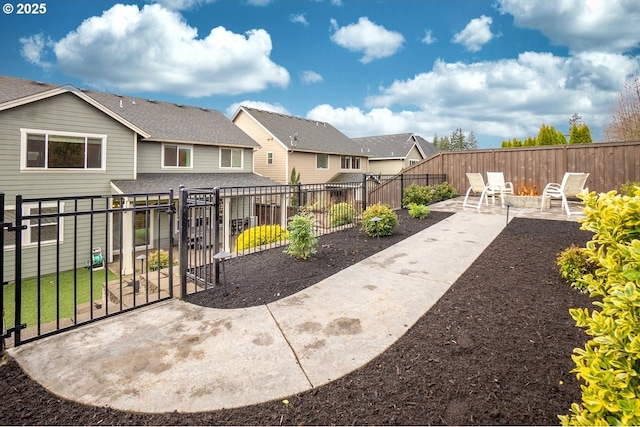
(385,226)
(158,260)
(629,188)
(422,195)
(418,211)
(341,214)
(574,263)
(609,363)
(261,235)
(417,194)
(302,236)
(442,192)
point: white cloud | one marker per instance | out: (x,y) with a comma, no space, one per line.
(476,34)
(233,108)
(258,2)
(182,4)
(591,25)
(154,50)
(309,77)
(299,19)
(428,38)
(497,99)
(373,40)
(33,49)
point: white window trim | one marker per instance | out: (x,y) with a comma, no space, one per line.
(270,156)
(23,150)
(231,167)
(179,146)
(9,208)
(26,233)
(328,162)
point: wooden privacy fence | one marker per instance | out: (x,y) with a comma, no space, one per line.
(609,165)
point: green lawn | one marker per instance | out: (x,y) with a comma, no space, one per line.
(48,303)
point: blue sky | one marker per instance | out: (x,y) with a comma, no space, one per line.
(499,68)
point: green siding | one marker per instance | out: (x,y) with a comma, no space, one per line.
(63,113)
(66,113)
(206,159)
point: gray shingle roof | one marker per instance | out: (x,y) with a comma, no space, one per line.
(396,146)
(13,88)
(162,182)
(310,135)
(428,147)
(163,121)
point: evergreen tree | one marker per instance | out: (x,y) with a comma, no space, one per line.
(458,142)
(472,142)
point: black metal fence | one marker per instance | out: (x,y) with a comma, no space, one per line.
(68,261)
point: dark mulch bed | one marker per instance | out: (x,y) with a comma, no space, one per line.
(495,349)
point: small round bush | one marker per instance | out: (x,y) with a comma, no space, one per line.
(341,214)
(158,260)
(417,194)
(574,265)
(385,226)
(261,235)
(418,211)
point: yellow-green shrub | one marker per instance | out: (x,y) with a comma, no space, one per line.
(341,214)
(158,260)
(385,226)
(574,264)
(261,235)
(609,363)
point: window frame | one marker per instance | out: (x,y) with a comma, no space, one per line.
(221,149)
(178,148)
(317,161)
(270,158)
(24,153)
(28,231)
(349,163)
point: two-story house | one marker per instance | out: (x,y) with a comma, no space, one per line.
(60,140)
(319,152)
(392,153)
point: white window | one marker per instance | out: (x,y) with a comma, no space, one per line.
(231,158)
(348,162)
(176,156)
(46,229)
(322,161)
(49,150)
(269,157)
(413,162)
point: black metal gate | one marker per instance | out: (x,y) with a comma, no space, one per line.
(199,225)
(68,261)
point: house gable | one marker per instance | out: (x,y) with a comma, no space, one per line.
(289,142)
(62,114)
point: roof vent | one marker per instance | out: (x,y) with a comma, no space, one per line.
(294,139)
(121,104)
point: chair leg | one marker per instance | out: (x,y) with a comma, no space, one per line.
(466,197)
(565,205)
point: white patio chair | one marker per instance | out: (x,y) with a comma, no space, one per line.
(477,186)
(497,184)
(573,183)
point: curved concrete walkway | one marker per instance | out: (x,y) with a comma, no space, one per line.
(177,356)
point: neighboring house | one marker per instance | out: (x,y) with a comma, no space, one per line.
(319,152)
(392,153)
(59,140)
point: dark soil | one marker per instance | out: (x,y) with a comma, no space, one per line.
(494,350)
